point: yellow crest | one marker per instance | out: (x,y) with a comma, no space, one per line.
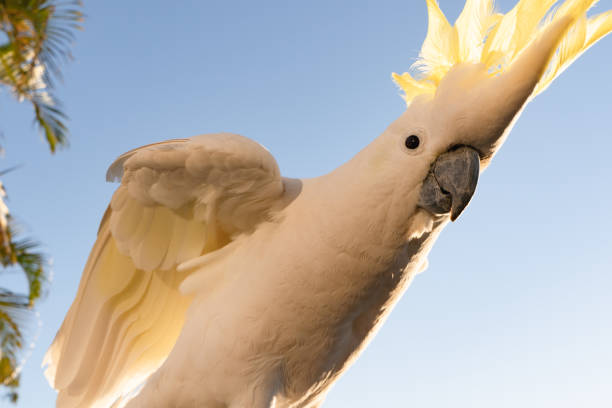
(480,35)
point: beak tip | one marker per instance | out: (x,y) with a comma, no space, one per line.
(454,215)
(459,209)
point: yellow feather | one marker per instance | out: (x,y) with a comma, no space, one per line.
(499,45)
(581,37)
(472,26)
(598,27)
(573,41)
(440,48)
(529,15)
(482,36)
(411,86)
(575,8)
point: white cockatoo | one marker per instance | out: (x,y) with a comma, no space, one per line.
(216,282)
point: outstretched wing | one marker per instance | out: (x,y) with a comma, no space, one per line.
(177,200)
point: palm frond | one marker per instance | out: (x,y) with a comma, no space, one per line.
(39,34)
(16,310)
(35,40)
(16,317)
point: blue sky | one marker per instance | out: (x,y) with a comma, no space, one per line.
(515,308)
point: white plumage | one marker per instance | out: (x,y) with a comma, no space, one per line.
(219,283)
(177,201)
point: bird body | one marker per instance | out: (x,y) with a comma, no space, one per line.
(260,330)
(216,282)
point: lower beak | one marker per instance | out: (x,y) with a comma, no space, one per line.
(451,182)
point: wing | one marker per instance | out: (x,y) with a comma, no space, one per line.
(177,200)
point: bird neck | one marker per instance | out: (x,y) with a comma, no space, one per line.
(362,210)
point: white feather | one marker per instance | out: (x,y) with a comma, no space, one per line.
(128,311)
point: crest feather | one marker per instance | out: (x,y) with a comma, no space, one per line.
(480,35)
(440,49)
(472,26)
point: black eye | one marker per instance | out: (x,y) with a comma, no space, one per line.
(412,142)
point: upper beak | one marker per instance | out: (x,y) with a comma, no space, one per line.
(451,182)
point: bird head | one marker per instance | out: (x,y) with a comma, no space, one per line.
(476,77)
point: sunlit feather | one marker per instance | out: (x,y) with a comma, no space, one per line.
(480,35)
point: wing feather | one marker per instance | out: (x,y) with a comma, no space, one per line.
(139,234)
(151,251)
(177,238)
(177,201)
(125,220)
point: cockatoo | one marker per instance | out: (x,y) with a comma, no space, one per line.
(216,282)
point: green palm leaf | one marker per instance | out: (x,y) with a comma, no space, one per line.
(16,310)
(35,40)
(16,317)
(38,36)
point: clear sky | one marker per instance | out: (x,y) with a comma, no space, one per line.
(515,309)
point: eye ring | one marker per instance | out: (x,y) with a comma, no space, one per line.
(412,142)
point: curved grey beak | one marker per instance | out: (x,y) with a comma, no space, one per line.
(451,182)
